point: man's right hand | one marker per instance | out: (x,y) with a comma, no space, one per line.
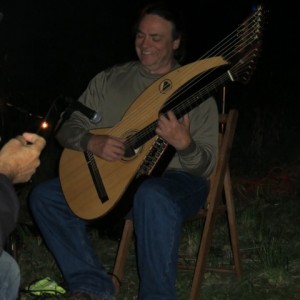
(107,147)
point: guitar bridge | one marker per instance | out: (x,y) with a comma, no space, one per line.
(98,183)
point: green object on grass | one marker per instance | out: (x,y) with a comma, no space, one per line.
(45,286)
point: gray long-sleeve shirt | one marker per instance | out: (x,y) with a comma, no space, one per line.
(113,90)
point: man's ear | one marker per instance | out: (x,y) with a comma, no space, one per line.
(176,44)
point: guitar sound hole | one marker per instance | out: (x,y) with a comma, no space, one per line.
(129,153)
(130,145)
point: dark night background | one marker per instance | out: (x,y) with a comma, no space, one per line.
(52,48)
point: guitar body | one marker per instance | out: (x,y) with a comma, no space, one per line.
(77,184)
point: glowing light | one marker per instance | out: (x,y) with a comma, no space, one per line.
(44,125)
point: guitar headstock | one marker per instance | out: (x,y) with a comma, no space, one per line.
(250,32)
(248,47)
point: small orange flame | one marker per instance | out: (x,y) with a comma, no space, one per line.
(44,125)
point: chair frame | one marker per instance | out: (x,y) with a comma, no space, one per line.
(219,201)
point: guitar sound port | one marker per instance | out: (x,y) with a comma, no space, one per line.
(129,153)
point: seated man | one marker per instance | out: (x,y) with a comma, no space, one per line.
(161,203)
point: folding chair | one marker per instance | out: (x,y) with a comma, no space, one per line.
(219,201)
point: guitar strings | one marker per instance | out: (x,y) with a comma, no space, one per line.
(247,34)
(239,68)
(231,46)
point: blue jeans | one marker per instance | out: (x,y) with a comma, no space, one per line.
(9,277)
(160,206)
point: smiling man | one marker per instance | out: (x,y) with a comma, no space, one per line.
(162,203)
(155,44)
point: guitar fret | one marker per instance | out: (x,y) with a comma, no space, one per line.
(151,159)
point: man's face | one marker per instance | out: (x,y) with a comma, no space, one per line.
(154,44)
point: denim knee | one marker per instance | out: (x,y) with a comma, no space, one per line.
(42,194)
(9,277)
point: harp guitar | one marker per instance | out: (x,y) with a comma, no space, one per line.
(94,187)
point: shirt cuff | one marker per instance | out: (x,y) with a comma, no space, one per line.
(84,141)
(190,149)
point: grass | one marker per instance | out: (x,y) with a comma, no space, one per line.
(267,213)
